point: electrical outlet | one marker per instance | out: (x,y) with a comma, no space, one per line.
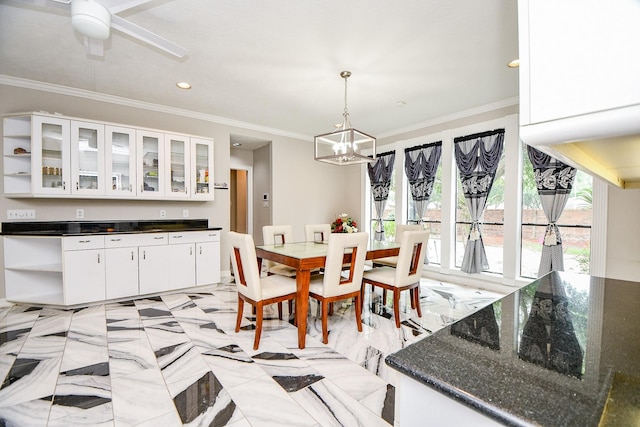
(79,213)
(163,213)
(185,213)
(21,214)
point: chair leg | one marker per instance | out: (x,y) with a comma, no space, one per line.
(280,310)
(416,295)
(412,298)
(356,303)
(240,309)
(325,326)
(384,297)
(330,309)
(290,307)
(259,311)
(396,306)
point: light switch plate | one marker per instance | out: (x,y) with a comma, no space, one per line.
(21,214)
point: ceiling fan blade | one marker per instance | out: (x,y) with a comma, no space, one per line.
(147,36)
(93,46)
(117,6)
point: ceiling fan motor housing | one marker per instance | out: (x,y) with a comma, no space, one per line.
(91,19)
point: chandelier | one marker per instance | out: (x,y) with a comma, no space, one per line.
(344,145)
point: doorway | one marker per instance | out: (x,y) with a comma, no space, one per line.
(240,206)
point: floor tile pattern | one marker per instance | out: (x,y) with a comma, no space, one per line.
(175,360)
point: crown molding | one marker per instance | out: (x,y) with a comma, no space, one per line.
(127,102)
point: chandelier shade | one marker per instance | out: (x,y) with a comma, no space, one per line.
(345,145)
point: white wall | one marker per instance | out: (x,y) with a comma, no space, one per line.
(623,234)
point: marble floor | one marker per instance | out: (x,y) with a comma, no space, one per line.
(175,360)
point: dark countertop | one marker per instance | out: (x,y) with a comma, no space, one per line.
(563,350)
(66,228)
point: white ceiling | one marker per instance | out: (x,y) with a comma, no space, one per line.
(275,64)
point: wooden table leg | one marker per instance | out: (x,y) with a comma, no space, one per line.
(302,304)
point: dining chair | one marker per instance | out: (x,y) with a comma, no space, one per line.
(337,284)
(251,287)
(406,274)
(278,235)
(317,232)
(391,261)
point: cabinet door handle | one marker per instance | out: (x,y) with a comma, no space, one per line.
(132,256)
(130,188)
(84,241)
(158,238)
(200,250)
(77,185)
(177,237)
(190,250)
(115,240)
(98,258)
(144,254)
(142,188)
(64,185)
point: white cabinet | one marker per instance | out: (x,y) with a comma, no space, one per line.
(121,257)
(51,155)
(201,168)
(47,155)
(73,270)
(83,269)
(120,161)
(179,166)
(577,57)
(87,159)
(150,152)
(153,264)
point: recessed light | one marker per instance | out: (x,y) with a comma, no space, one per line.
(236,144)
(183,85)
(514,64)
(401,103)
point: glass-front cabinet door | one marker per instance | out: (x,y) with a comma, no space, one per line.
(50,154)
(202,168)
(120,161)
(87,158)
(178,165)
(150,159)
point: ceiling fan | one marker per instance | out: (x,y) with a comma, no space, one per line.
(94,19)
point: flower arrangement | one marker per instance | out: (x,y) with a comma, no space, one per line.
(344,224)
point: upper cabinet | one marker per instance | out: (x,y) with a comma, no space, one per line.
(52,156)
(579,85)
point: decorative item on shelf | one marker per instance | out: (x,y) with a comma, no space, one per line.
(344,224)
(344,145)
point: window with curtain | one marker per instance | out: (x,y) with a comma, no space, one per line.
(574,223)
(480,202)
(423,173)
(381,179)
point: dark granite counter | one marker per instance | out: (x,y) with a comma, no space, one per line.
(564,350)
(64,228)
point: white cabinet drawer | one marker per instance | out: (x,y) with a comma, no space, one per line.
(194,237)
(152,239)
(74,243)
(123,240)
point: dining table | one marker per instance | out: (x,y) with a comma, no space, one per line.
(308,256)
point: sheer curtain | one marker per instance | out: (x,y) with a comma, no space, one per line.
(554,180)
(420,166)
(477,157)
(380,173)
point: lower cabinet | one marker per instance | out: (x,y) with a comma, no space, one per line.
(121,272)
(72,270)
(83,276)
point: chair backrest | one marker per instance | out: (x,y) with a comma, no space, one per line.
(401,228)
(245,265)
(339,243)
(276,235)
(317,232)
(413,249)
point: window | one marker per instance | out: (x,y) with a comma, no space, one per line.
(433,219)
(574,223)
(389,215)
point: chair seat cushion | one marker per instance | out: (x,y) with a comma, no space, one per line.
(316,284)
(390,261)
(381,274)
(275,286)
